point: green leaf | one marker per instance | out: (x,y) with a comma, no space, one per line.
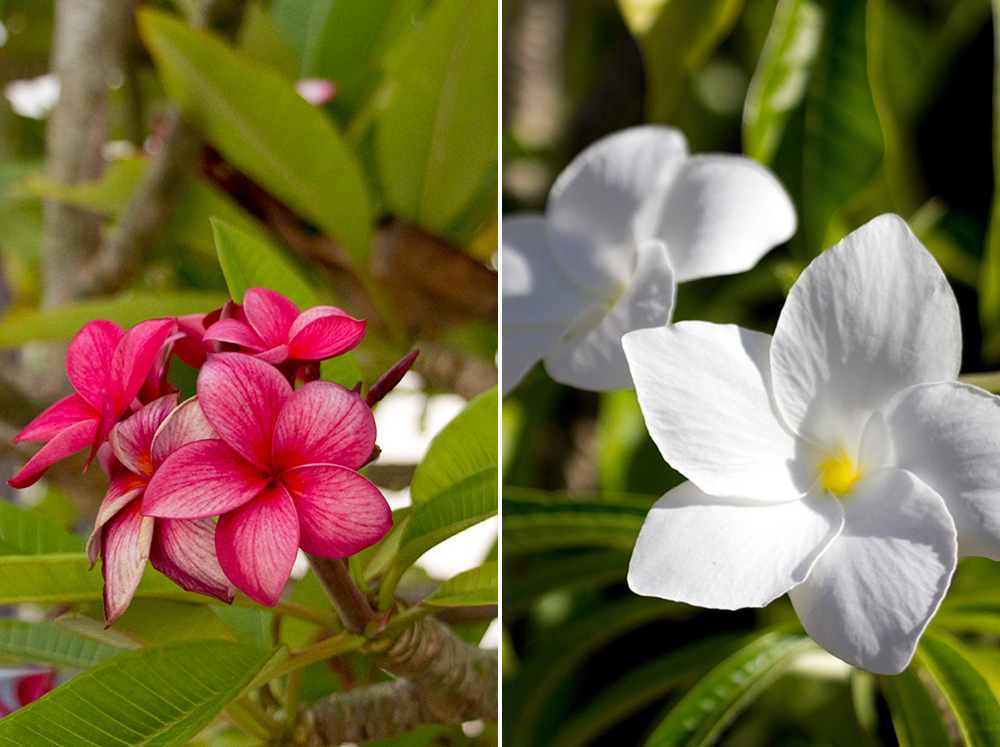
(843,143)
(533,522)
(44,641)
(551,659)
(436,138)
(782,76)
(711,704)
(468,444)
(248,262)
(538,575)
(264,128)
(462,505)
(474,586)
(646,684)
(989,283)
(154,696)
(915,715)
(676,37)
(28,533)
(251,625)
(954,672)
(61,323)
(156,621)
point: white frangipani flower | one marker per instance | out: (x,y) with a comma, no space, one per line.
(630,217)
(837,461)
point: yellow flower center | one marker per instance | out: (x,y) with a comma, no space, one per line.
(839,474)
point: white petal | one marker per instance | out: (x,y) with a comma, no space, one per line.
(726,553)
(593,204)
(704,390)
(535,290)
(873,591)
(521,348)
(591,356)
(868,318)
(948,435)
(719,216)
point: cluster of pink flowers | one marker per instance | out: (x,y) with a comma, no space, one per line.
(219,491)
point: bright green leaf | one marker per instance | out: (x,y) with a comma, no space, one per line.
(264,128)
(779,83)
(436,137)
(28,533)
(466,445)
(474,586)
(954,671)
(161,695)
(534,521)
(989,283)
(157,621)
(45,641)
(676,37)
(915,715)
(62,322)
(249,262)
(711,704)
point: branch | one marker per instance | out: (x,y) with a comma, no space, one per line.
(156,198)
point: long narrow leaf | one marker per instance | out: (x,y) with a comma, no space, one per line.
(44,641)
(915,715)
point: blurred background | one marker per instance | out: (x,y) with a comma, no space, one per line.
(861,108)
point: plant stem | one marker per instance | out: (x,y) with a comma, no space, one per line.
(326,649)
(353,607)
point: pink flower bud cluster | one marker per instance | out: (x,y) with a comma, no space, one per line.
(218,491)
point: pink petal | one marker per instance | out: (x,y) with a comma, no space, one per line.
(186,424)
(125,488)
(183,550)
(257,544)
(203,478)
(236,332)
(132,439)
(134,356)
(88,359)
(275,356)
(323,423)
(326,332)
(125,548)
(191,347)
(340,512)
(64,413)
(241,398)
(67,442)
(270,314)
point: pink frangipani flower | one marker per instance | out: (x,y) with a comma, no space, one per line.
(107,366)
(271,327)
(282,473)
(181,549)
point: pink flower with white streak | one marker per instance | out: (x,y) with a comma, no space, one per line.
(272,328)
(183,550)
(107,366)
(282,473)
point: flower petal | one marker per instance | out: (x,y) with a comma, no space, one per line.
(323,423)
(719,215)
(64,413)
(183,550)
(134,356)
(340,512)
(125,488)
(257,544)
(948,435)
(866,319)
(185,424)
(593,358)
(132,439)
(235,331)
(727,553)
(241,397)
(125,548)
(68,441)
(535,290)
(270,314)
(323,332)
(593,204)
(704,391)
(522,347)
(203,478)
(872,593)
(88,359)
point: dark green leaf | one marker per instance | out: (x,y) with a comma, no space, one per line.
(915,715)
